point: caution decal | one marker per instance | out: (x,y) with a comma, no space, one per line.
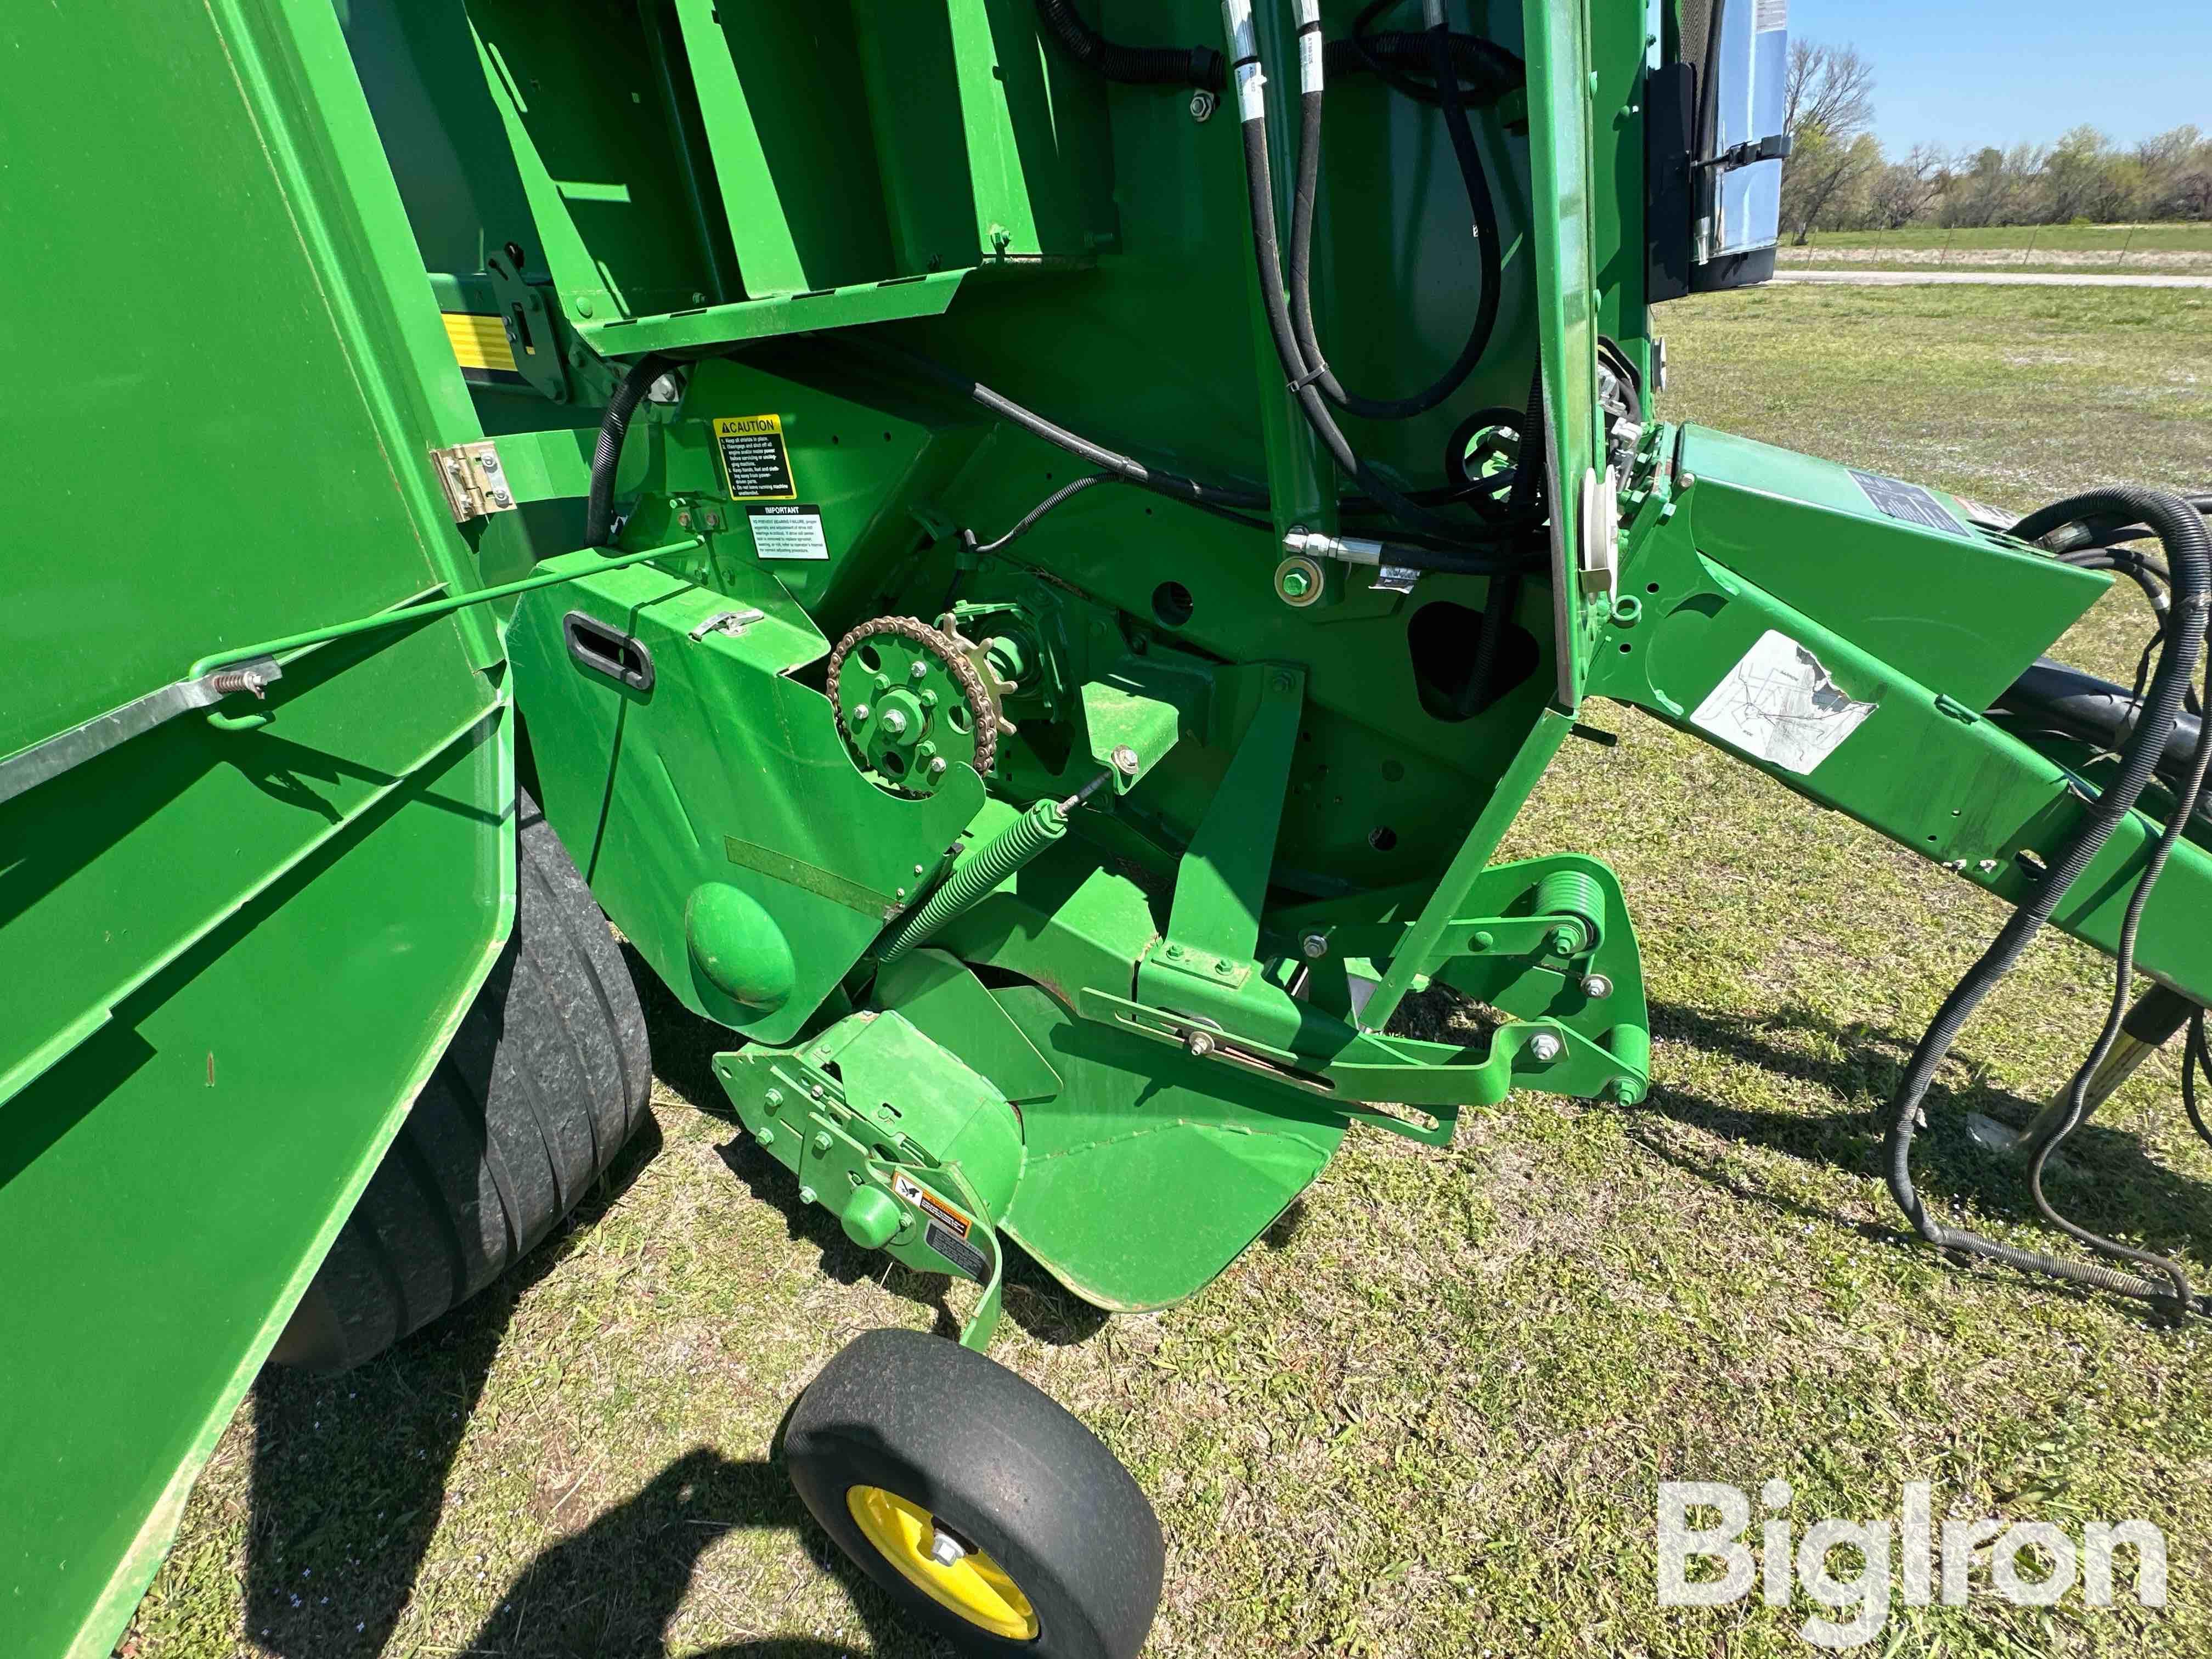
(756,464)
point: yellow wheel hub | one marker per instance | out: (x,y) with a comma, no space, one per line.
(970,1582)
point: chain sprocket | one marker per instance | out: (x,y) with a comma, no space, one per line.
(885,687)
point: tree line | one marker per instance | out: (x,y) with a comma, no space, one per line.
(1839,177)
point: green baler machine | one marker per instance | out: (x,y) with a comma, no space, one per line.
(872,469)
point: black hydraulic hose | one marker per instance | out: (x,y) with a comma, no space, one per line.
(1260,192)
(606,456)
(1161,66)
(1479,204)
(1484,69)
(2081,706)
(2188,553)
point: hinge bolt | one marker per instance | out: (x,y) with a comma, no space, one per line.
(1544,1048)
(1125,760)
(1316,946)
(1597,987)
(1200,1043)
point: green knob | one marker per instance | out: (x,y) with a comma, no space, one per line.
(871,1219)
(1296,584)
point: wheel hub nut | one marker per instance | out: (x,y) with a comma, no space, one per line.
(1544,1048)
(944,1549)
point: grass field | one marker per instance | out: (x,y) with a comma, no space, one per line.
(1425,1416)
(2178,250)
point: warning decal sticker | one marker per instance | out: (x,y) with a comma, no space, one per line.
(787,533)
(755,463)
(958,1251)
(930,1205)
(1779,705)
(1907,502)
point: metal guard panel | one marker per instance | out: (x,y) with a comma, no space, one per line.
(726,771)
(1958,611)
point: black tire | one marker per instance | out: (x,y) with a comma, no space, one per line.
(547,1077)
(1003,1470)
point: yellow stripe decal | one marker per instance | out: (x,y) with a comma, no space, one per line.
(479,342)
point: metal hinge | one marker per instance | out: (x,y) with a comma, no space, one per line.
(475,485)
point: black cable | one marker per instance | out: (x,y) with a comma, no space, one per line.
(2195,1061)
(1488,252)
(1028,521)
(2077,1103)
(1486,71)
(606,455)
(2188,553)
(1171,66)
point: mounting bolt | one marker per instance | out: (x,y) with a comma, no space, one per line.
(765,1135)
(1596,986)
(1125,760)
(1200,1044)
(1172,950)
(917,869)
(1296,583)
(684,519)
(919,671)
(1316,946)
(894,722)
(1481,940)
(862,712)
(1202,104)
(945,1550)
(1565,941)
(1684,480)
(1223,970)
(1628,1092)
(821,1143)
(816,1091)
(1544,1048)
(806,1194)
(937,767)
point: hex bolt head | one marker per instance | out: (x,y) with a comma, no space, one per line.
(937,767)
(1596,986)
(1544,1048)
(822,1142)
(945,1550)
(919,671)
(1200,1043)
(774,1098)
(1202,104)
(1315,945)
(806,1194)
(860,714)
(894,722)
(1125,760)
(1296,584)
(766,1136)
(1564,941)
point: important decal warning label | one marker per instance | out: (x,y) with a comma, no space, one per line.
(1908,502)
(787,533)
(756,464)
(958,1251)
(1779,705)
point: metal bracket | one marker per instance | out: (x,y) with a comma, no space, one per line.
(475,484)
(27,769)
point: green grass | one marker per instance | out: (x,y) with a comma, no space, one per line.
(1425,1416)
(2194,237)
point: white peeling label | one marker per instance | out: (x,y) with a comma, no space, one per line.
(1250,85)
(1780,705)
(1309,62)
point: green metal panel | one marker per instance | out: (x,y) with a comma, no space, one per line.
(1561,183)
(1952,608)
(231,956)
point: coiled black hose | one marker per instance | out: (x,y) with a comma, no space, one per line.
(606,456)
(1161,66)
(1479,204)
(2188,553)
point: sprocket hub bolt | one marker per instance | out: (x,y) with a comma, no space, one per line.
(919,671)
(894,722)
(937,767)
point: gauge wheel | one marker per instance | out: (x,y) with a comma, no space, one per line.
(990,1515)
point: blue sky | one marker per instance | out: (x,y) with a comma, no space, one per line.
(1956,72)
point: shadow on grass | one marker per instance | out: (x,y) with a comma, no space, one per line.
(2106,1182)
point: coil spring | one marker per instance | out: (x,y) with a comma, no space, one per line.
(977,874)
(1574,893)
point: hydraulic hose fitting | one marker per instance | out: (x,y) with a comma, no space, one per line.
(1350,550)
